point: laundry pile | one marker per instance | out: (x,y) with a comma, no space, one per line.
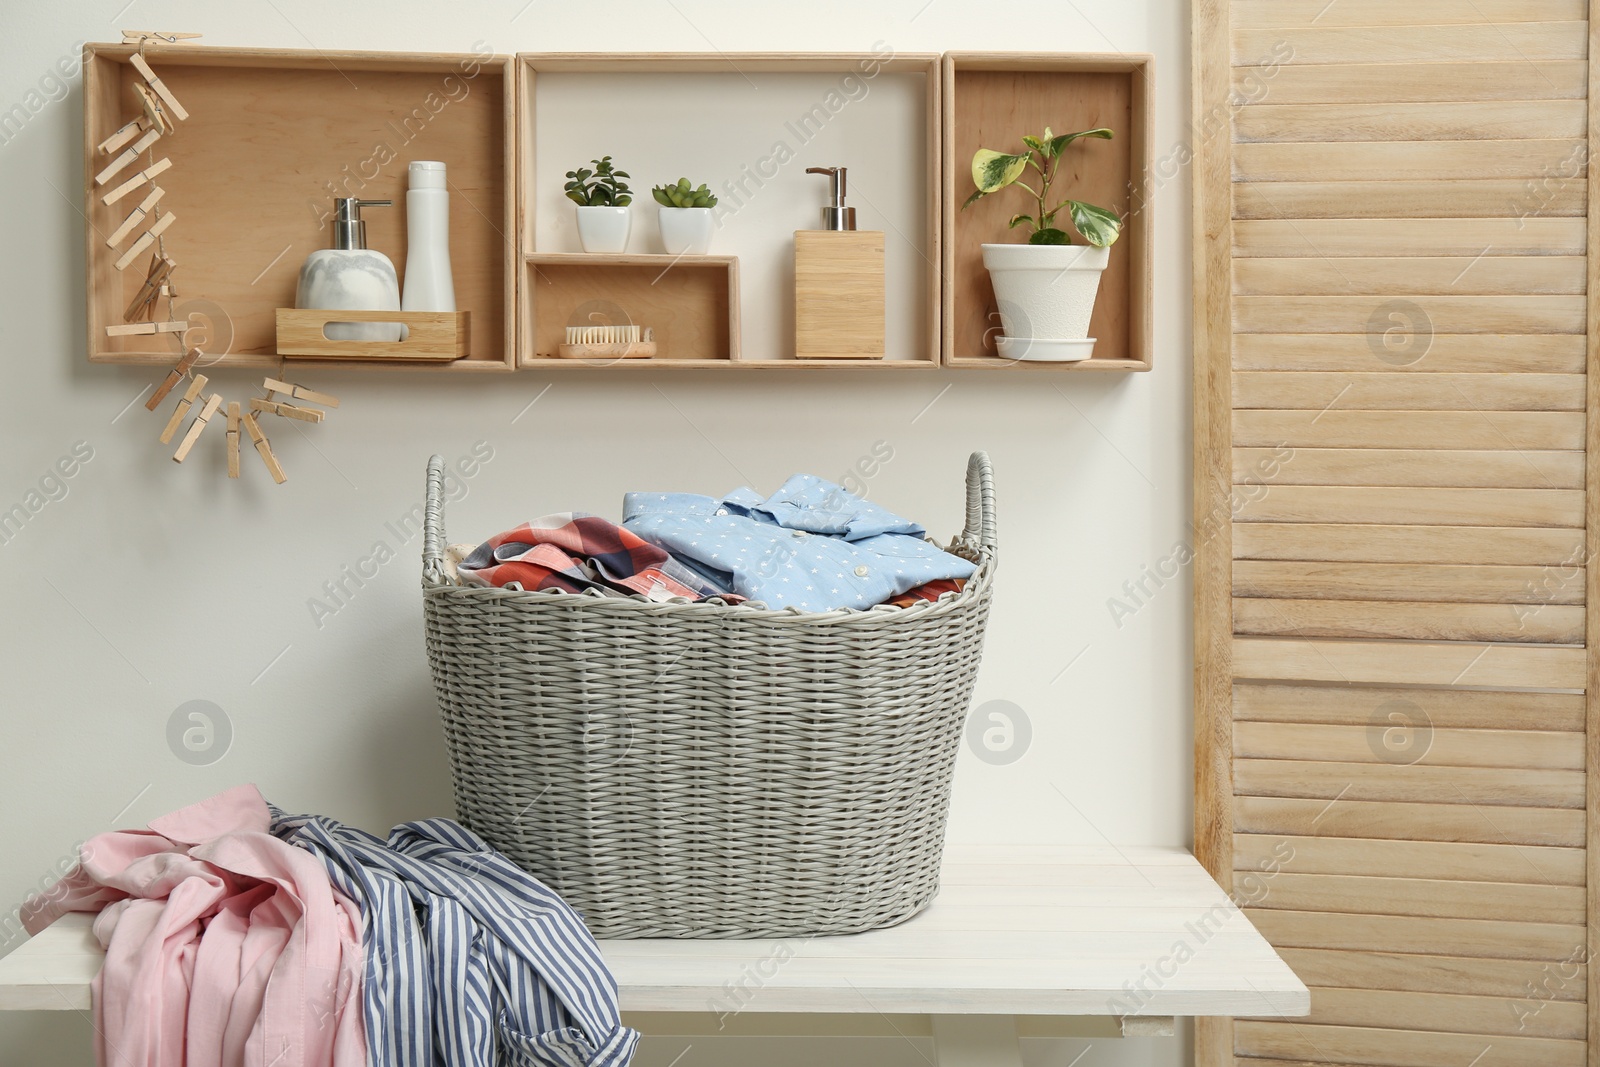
(238,936)
(812,545)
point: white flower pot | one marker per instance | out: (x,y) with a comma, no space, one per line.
(686,231)
(603,228)
(1045,295)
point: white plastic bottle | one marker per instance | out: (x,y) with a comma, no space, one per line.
(428,285)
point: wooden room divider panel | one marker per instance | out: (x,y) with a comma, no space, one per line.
(1395,479)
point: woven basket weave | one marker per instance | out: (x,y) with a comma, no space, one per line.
(698,770)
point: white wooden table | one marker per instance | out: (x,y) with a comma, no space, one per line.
(1022,941)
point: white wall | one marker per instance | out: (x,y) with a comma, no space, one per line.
(148,585)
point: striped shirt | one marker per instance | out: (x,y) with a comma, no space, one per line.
(470,961)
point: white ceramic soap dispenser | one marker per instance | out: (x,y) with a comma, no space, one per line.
(351,277)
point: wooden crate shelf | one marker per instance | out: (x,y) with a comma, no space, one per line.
(272,137)
(990,100)
(690,302)
(629,99)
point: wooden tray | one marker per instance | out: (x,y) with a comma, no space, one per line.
(431,335)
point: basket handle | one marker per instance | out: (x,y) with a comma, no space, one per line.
(433,523)
(981,529)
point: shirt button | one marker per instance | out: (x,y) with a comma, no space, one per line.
(861,572)
(799,533)
(722,511)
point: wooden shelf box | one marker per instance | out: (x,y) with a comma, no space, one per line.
(272,137)
(717,117)
(690,302)
(990,100)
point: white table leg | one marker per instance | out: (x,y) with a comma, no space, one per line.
(976,1041)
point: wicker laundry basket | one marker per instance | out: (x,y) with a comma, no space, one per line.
(699,770)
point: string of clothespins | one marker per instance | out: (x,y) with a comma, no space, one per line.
(210,403)
(135,142)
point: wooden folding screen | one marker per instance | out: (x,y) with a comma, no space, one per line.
(1394,512)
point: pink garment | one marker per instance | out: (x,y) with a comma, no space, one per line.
(225,947)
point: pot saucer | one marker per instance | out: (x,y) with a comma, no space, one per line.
(1044,350)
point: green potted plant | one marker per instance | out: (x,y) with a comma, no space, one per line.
(685,217)
(1045,288)
(602,198)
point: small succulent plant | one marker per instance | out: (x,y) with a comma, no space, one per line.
(682,195)
(600,186)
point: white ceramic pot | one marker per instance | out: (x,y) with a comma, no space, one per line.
(603,228)
(1045,295)
(686,231)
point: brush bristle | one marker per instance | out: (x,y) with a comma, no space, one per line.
(605,335)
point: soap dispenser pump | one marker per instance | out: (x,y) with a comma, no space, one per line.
(351,277)
(835,216)
(838,282)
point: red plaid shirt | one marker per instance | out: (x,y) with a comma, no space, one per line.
(928,591)
(578,552)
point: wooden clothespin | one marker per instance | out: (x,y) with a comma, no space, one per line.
(159,86)
(135,217)
(155,116)
(143,36)
(133,129)
(233,439)
(264,448)
(134,329)
(213,402)
(145,241)
(148,174)
(155,286)
(173,378)
(298,392)
(197,384)
(288,411)
(131,153)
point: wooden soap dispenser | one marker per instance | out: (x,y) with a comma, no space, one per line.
(838,283)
